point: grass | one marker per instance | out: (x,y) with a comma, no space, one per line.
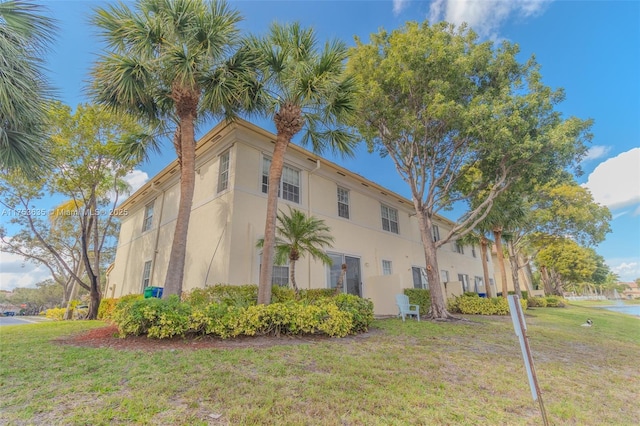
(426,373)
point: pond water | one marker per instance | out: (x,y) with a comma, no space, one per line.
(624,309)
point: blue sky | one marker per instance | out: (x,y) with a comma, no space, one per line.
(590,48)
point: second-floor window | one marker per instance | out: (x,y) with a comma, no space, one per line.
(458,247)
(343,203)
(223,173)
(148,216)
(289,188)
(390,219)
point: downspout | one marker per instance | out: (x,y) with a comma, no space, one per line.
(157,239)
(309,214)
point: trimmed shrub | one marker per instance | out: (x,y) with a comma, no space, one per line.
(107,308)
(56,314)
(158,318)
(232,295)
(537,302)
(314,294)
(419,296)
(555,302)
(472,304)
(281,294)
(361,311)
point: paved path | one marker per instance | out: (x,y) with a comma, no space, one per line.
(19,320)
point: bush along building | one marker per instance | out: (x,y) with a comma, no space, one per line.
(375,230)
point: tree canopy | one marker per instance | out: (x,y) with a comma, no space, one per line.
(461,120)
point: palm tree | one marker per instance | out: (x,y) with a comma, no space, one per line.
(310,92)
(171,63)
(299,234)
(24,91)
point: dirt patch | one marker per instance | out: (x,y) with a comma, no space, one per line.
(107,337)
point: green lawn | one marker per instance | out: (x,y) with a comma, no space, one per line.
(464,373)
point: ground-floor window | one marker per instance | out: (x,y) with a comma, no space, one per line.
(280,276)
(479,284)
(464,279)
(146,274)
(352,279)
(386,267)
(419,277)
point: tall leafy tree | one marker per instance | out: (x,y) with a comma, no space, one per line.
(307,91)
(72,239)
(171,63)
(565,264)
(440,104)
(25,33)
(298,235)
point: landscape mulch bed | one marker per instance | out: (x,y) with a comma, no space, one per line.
(107,337)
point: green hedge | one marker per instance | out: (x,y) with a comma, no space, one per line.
(472,304)
(224,312)
(525,294)
(419,296)
(537,302)
(556,302)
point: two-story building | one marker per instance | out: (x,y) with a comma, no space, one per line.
(375,230)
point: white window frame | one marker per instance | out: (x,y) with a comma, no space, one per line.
(458,247)
(464,279)
(479,284)
(424,281)
(444,275)
(146,274)
(343,203)
(388,221)
(286,185)
(435,233)
(280,275)
(147,221)
(473,251)
(223,171)
(387,267)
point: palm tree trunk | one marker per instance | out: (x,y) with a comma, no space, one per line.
(288,121)
(497,234)
(275,173)
(292,275)
(485,266)
(186,104)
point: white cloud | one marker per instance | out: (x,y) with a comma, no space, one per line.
(16,272)
(596,152)
(399,6)
(135,179)
(485,17)
(627,270)
(615,182)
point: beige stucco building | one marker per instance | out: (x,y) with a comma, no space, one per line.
(375,230)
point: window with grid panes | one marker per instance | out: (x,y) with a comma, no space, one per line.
(289,188)
(223,174)
(343,203)
(389,219)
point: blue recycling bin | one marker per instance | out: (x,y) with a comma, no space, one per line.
(153,292)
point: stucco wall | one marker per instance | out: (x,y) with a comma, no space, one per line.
(225,226)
